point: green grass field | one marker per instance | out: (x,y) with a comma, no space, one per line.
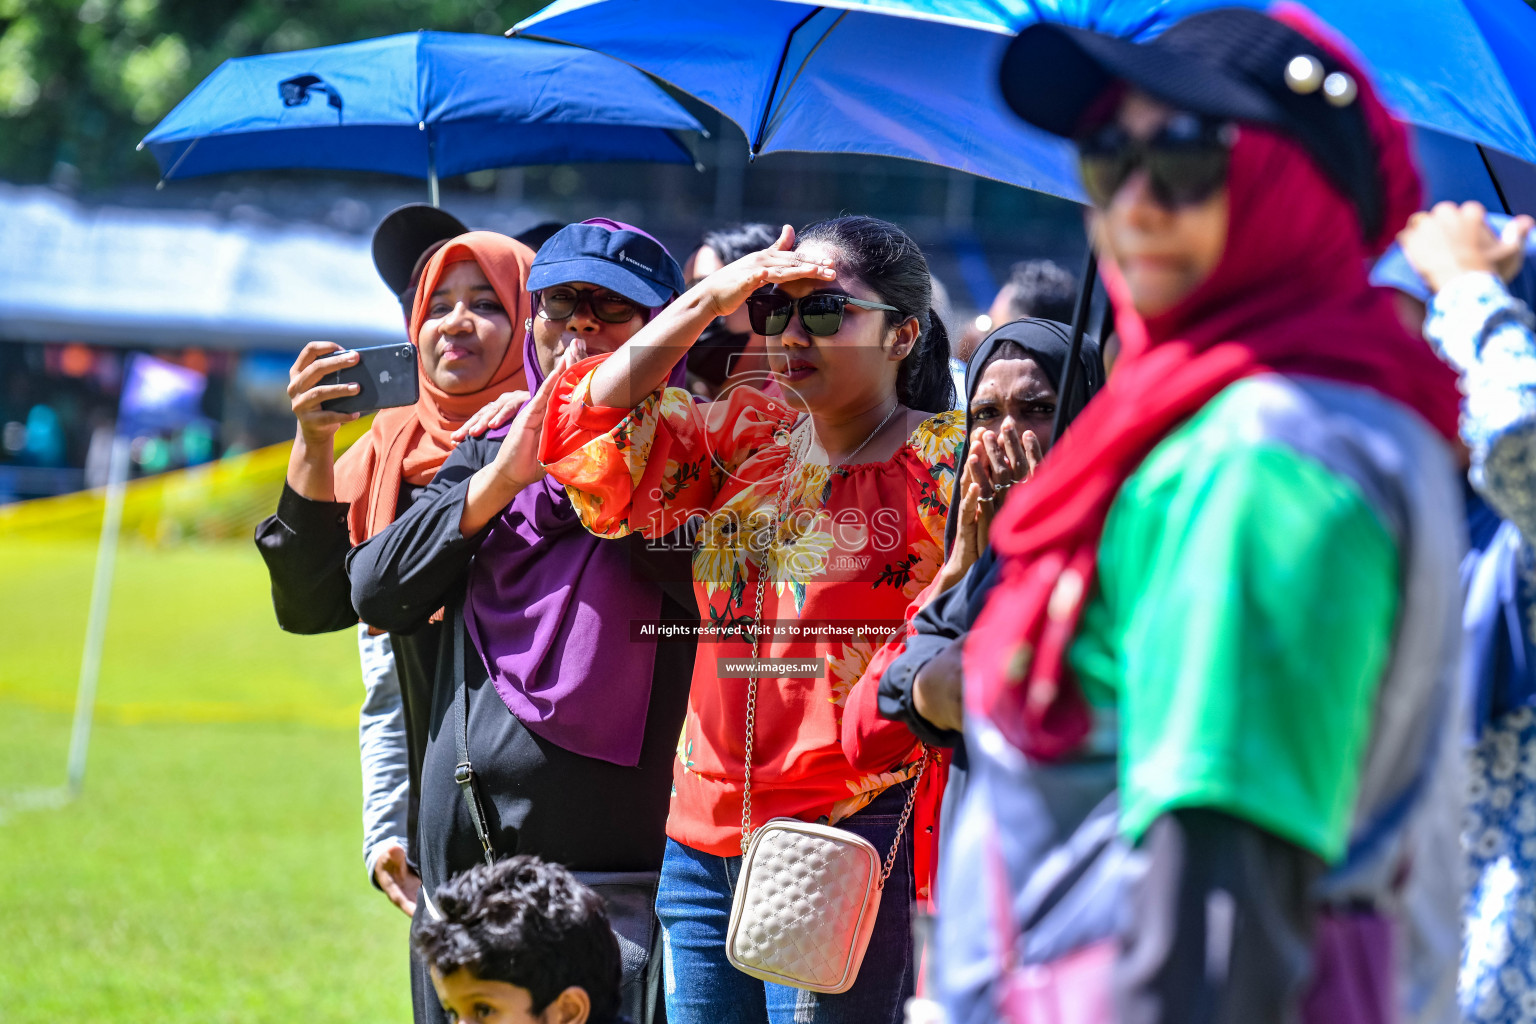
(211,871)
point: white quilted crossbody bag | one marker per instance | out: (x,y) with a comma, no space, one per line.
(808,895)
(807,900)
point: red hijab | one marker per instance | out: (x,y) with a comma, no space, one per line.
(1290,295)
(410,443)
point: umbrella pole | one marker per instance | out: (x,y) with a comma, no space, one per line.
(1075,347)
(432,176)
(1498,186)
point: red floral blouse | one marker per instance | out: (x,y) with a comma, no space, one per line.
(859,542)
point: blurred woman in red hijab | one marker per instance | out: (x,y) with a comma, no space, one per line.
(1210,695)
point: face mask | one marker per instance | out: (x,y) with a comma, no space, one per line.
(710,357)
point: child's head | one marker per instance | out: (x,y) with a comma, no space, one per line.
(521,942)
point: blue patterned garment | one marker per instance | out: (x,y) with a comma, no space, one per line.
(1490,337)
(1487,335)
(1498,966)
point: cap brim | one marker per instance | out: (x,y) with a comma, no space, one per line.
(602,273)
(1052,74)
(404,234)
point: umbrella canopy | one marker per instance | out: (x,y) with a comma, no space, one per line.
(918,78)
(420,104)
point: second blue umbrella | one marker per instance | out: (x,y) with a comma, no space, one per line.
(918,78)
(421,104)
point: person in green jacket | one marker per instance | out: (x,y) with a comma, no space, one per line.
(1216,675)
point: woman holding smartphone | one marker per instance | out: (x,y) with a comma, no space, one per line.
(469,352)
(553,714)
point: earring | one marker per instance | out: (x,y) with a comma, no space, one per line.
(528,324)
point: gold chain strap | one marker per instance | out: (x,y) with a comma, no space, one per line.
(906,815)
(791,463)
(796,452)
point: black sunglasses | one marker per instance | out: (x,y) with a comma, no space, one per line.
(821,313)
(561,303)
(1186,161)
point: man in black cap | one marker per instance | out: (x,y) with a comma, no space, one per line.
(403,242)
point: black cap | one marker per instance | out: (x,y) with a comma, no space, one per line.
(404,234)
(1232,62)
(615,256)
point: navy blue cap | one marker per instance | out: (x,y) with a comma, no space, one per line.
(1231,63)
(619,257)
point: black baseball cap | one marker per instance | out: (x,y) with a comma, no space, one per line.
(404,234)
(612,255)
(1231,62)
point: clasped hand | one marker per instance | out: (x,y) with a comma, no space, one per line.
(997,460)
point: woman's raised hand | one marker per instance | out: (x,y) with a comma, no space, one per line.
(517,460)
(973,517)
(516,464)
(305,391)
(727,288)
(495,413)
(1452,240)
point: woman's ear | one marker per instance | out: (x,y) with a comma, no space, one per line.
(573,1006)
(904,338)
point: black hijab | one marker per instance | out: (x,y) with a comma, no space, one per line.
(1046,342)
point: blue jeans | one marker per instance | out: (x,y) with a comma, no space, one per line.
(693,902)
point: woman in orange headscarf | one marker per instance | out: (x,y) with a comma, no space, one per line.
(467,322)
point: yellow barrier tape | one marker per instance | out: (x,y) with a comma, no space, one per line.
(191,712)
(216,501)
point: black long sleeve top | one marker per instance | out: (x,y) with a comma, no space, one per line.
(588,814)
(946,619)
(305,547)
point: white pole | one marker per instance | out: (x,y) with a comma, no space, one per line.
(432,172)
(101,597)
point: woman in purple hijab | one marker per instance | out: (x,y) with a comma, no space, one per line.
(555,715)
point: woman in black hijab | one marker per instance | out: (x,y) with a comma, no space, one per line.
(1012,385)
(1011,392)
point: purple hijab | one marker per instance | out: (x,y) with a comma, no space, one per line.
(549,607)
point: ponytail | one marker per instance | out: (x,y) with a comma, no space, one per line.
(924,381)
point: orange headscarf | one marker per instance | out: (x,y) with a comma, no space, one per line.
(410,443)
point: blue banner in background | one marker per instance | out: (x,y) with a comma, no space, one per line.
(158,395)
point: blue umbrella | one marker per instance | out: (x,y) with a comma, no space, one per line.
(420,104)
(917,78)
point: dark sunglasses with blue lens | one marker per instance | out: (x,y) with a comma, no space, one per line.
(821,313)
(1186,160)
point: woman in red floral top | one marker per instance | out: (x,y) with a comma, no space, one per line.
(828,502)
